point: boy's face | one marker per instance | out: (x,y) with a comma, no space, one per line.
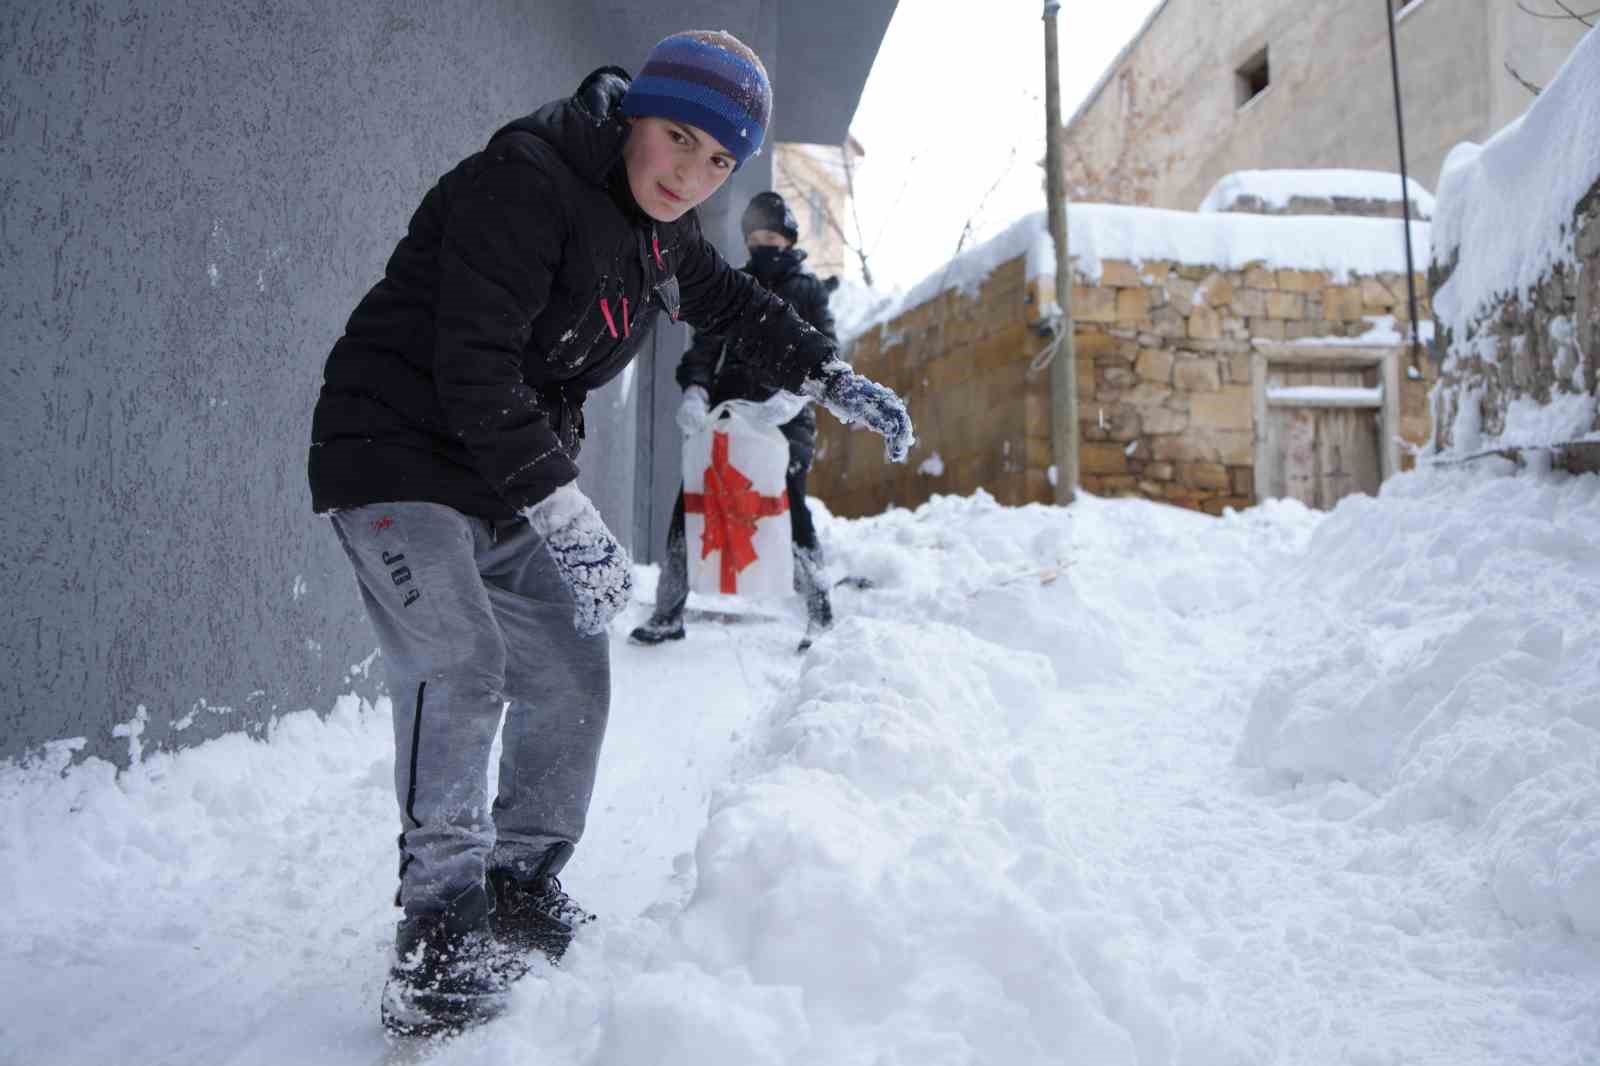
(765,238)
(673,166)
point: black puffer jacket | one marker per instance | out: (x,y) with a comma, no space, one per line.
(732,372)
(527,278)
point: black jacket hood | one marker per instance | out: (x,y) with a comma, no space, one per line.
(587,128)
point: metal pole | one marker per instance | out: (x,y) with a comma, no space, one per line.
(1405,185)
(1064,367)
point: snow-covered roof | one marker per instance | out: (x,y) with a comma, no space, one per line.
(1275,188)
(1339,245)
(1507,205)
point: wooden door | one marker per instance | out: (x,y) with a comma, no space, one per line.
(1323,453)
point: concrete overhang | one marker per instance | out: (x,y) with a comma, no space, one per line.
(825,51)
(818,52)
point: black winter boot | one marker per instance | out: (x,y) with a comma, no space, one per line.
(449,971)
(659,630)
(533,913)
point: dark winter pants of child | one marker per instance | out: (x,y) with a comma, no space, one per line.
(672,590)
(471,614)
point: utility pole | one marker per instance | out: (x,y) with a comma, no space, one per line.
(1064,363)
(1405,193)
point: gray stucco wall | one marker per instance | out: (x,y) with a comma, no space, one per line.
(193,196)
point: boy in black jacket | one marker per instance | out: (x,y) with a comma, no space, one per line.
(714,370)
(444,449)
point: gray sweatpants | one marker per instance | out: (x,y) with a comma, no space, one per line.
(471,614)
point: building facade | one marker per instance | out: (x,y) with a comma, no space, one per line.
(816,180)
(1209,87)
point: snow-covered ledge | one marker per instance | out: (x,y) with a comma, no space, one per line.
(1516,273)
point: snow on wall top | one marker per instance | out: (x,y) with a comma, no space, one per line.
(1276,188)
(1028,236)
(1341,246)
(1507,205)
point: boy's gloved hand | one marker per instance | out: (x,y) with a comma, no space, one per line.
(693,411)
(853,398)
(592,564)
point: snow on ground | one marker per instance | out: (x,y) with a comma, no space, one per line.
(1275,188)
(1115,784)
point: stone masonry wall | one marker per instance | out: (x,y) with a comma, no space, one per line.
(1165,397)
(960,361)
(1359,207)
(1526,348)
(1166,404)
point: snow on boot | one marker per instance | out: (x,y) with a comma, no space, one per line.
(533,913)
(658,630)
(449,971)
(819,619)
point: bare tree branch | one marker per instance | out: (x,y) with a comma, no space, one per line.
(854,246)
(855,212)
(1524,82)
(966,230)
(1584,18)
(899,196)
(1570,14)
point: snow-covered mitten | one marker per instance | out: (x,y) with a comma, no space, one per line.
(853,398)
(694,409)
(590,561)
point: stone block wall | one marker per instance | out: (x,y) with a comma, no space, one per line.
(1532,347)
(1356,206)
(1166,401)
(960,360)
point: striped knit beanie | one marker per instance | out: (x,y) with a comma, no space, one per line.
(711,80)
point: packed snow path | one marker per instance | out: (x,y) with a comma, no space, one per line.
(1116,784)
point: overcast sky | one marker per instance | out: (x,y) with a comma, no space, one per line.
(955,104)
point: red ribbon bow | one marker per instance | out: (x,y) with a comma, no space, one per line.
(731,510)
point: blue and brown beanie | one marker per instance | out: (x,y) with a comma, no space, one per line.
(711,80)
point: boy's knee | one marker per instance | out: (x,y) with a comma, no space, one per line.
(479,665)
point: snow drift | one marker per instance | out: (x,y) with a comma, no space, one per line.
(997,815)
(1438,662)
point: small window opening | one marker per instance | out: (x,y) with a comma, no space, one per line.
(1251,79)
